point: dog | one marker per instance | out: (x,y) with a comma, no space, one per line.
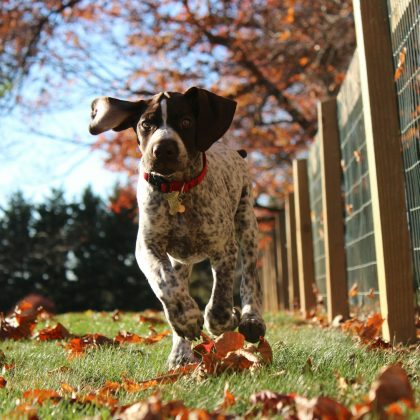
(195,203)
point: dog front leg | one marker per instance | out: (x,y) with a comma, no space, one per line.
(171,287)
(220,316)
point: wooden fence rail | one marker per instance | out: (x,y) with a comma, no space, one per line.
(363,216)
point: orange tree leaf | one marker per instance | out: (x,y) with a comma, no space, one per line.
(166,378)
(265,350)
(321,408)
(151,319)
(391,386)
(401,64)
(372,327)
(272,402)
(128,337)
(3,382)
(227,342)
(354,290)
(39,396)
(228,399)
(66,388)
(58,332)
(77,346)
(156,337)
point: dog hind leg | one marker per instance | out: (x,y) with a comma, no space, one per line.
(252,325)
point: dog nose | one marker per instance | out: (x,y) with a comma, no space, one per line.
(166,149)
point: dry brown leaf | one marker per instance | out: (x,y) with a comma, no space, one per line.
(3,382)
(59,332)
(151,319)
(401,64)
(39,396)
(66,388)
(168,377)
(128,337)
(391,386)
(78,346)
(116,315)
(228,399)
(320,408)
(227,342)
(265,350)
(354,290)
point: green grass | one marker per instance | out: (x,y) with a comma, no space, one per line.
(333,355)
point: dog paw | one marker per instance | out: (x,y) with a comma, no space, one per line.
(218,320)
(252,326)
(181,355)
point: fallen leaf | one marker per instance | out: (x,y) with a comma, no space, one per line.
(391,386)
(116,315)
(228,399)
(320,408)
(128,337)
(67,389)
(265,350)
(39,396)
(151,319)
(371,293)
(272,402)
(166,378)
(401,64)
(19,325)
(78,346)
(59,332)
(3,382)
(227,342)
(354,290)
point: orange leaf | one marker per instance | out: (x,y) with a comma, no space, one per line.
(58,332)
(321,408)
(265,350)
(151,319)
(391,386)
(354,290)
(401,64)
(66,388)
(228,399)
(39,396)
(372,327)
(3,382)
(128,337)
(77,346)
(228,341)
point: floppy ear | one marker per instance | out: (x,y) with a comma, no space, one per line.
(214,115)
(114,114)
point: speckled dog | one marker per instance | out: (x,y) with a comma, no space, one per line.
(195,203)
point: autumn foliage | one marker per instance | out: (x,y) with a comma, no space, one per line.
(276,58)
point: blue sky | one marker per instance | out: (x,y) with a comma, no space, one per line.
(34,164)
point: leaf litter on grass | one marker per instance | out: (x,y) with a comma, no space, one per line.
(391,394)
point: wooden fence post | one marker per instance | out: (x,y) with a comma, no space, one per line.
(305,253)
(269,278)
(333,211)
(281,250)
(392,244)
(292,265)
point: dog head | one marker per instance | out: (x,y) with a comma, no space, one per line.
(172,128)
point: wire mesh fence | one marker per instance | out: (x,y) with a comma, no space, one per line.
(405,35)
(315,196)
(359,233)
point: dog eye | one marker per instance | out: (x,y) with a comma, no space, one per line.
(146,125)
(186,123)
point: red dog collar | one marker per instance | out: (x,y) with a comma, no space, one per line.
(166,186)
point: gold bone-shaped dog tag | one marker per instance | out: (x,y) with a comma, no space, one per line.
(175,203)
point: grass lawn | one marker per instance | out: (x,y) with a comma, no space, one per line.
(332,355)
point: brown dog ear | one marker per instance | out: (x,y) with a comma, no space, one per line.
(114,114)
(214,115)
